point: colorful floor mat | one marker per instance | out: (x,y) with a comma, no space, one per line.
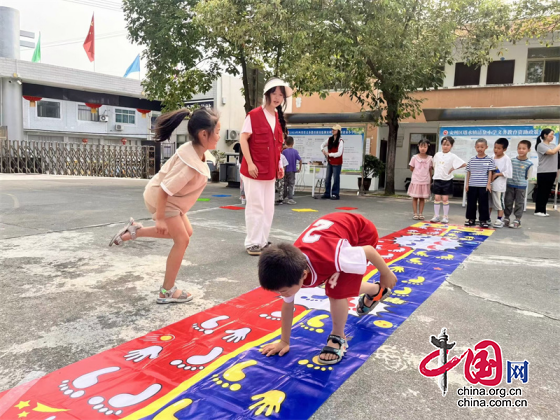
(208,366)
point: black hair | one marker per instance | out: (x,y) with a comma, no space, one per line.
(545,132)
(481,140)
(289,141)
(334,140)
(201,119)
(423,141)
(280,108)
(526,143)
(281,266)
(503,142)
(450,139)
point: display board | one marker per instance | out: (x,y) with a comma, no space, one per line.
(307,141)
(466,137)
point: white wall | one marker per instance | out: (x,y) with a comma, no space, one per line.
(230,103)
(69,125)
(510,52)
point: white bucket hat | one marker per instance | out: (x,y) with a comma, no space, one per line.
(275,82)
(337,127)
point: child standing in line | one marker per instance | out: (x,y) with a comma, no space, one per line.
(517,185)
(444,163)
(334,250)
(421,166)
(280,182)
(478,184)
(292,156)
(500,177)
(173,191)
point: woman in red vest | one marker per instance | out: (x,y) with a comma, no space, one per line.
(333,149)
(261,141)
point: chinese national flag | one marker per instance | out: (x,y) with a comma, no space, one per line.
(89,43)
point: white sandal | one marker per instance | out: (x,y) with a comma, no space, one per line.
(131,228)
(168,296)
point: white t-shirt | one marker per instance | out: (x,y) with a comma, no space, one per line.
(505,167)
(443,163)
(271,118)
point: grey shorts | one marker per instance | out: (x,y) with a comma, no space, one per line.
(496,200)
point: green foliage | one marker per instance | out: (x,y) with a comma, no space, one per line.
(219,157)
(373,167)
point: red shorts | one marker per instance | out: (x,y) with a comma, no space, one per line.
(346,285)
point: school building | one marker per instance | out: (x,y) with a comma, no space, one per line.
(520,88)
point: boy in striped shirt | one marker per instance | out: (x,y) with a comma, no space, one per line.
(479,184)
(517,185)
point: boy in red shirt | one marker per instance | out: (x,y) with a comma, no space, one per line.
(335,250)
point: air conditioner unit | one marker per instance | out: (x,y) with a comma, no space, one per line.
(232,135)
(104,118)
(118,127)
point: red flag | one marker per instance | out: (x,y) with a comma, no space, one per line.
(89,43)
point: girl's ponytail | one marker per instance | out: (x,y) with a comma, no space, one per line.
(282,120)
(168,122)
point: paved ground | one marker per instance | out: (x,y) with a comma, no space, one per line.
(66,295)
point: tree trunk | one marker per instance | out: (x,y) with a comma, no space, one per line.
(245,78)
(393,123)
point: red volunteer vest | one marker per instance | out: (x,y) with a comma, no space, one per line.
(264,145)
(337,160)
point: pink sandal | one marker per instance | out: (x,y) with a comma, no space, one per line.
(131,228)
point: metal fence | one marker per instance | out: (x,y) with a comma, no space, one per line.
(44,157)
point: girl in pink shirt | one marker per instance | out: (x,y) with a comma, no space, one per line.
(421,166)
(174,190)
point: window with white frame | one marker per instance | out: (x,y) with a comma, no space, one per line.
(543,65)
(125,116)
(48,109)
(85,114)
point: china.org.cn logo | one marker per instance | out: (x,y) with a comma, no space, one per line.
(483,364)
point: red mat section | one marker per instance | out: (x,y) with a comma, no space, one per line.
(347,208)
(232,208)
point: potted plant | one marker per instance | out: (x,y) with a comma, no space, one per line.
(219,158)
(373,167)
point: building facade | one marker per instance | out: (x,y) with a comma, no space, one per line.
(525,76)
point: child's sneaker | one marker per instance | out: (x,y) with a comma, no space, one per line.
(469,223)
(498,224)
(515,225)
(506,222)
(290,201)
(435,219)
(484,225)
(445,220)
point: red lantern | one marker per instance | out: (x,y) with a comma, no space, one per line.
(93,107)
(143,112)
(84,141)
(32,99)
(123,141)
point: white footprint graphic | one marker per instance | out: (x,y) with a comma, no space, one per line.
(274,316)
(207,327)
(123,400)
(84,381)
(196,362)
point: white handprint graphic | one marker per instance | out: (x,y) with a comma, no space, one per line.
(138,355)
(236,335)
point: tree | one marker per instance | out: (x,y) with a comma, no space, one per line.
(253,33)
(381,52)
(180,62)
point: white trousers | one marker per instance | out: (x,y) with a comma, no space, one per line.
(259,210)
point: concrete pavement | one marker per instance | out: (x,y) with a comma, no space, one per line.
(67,296)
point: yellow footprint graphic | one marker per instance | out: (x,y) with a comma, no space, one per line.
(169,412)
(446,257)
(315,324)
(397,269)
(418,280)
(422,253)
(233,374)
(317,366)
(404,292)
(416,261)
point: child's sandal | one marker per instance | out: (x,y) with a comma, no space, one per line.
(339,353)
(420,217)
(168,296)
(415,217)
(131,228)
(362,309)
